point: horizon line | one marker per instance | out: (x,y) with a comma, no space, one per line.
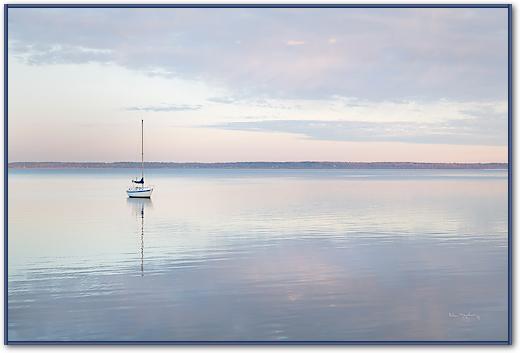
(311,165)
(245,161)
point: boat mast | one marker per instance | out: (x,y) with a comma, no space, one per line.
(142,152)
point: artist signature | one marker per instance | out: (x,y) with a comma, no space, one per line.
(464,316)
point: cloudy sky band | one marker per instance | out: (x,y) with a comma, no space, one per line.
(413,76)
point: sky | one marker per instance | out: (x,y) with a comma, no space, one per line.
(217,85)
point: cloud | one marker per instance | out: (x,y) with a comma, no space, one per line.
(295,42)
(222,100)
(164,108)
(60,54)
(379,54)
(476,131)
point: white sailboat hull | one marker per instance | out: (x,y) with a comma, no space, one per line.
(144,192)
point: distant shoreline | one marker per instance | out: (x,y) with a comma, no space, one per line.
(256,165)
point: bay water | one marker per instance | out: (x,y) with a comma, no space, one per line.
(258,255)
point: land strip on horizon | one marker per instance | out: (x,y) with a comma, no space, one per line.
(259,165)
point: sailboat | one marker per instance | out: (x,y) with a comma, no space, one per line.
(138,188)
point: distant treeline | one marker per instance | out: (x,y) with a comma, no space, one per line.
(262,165)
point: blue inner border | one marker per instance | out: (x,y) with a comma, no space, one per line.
(509,168)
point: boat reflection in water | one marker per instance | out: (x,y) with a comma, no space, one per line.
(138,206)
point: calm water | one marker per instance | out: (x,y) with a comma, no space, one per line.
(258,255)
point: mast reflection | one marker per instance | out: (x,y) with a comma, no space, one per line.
(138,206)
